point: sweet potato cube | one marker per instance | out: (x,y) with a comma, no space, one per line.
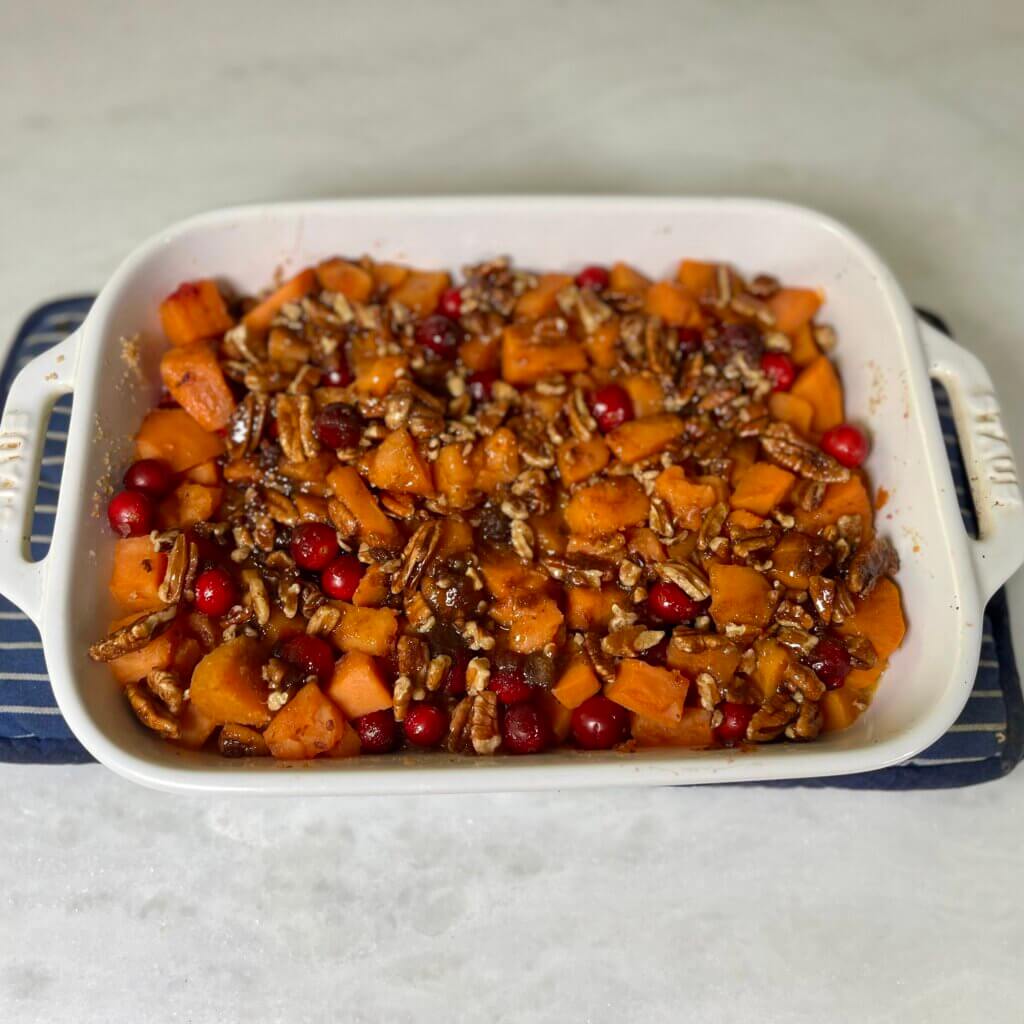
(206,473)
(639,439)
(770,666)
(879,617)
(137,574)
(348,279)
(194,728)
(744,520)
(358,686)
(686,499)
(308,725)
(175,437)
(819,385)
(348,744)
(848,498)
(793,561)
(311,508)
(193,312)
(532,621)
(189,504)
(495,460)
(390,275)
(838,710)
(676,306)
(805,349)
(643,541)
(398,466)
(507,576)
(558,716)
(524,361)
(279,627)
(370,630)
(455,478)
(697,277)
(606,507)
(481,353)
(603,344)
(578,682)
(373,588)
(739,594)
(590,608)
(646,393)
(374,526)
(541,300)
(793,308)
(648,690)
(762,488)
(721,662)
(693,731)
(421,291)
(578,459)
(228,685)
(456,537)
(260,317)
(376,377)
(623,279)
(792,409)
(157,654)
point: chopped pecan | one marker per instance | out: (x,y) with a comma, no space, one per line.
(478,675)
(782,444)
(823,596)
(134,635)
(150,712)
(324,619)
(166,686)
(767,723)
(808,722)
(862,651)
(483,723)
(412,657)
(872,561)
(245,428)
(687,576)
(458,726)
(416,555)
(437,670)
(256,596)
(802,682)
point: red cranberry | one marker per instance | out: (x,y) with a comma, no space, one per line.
(339,376)
(341,578)
(153,476)
(215,592)
(425,725)
(846,444)
(599,723)
(671,603)
(690,340)
(130,513)
(831,662)
(310,654)
(481,383)
(780,369)
(592,277)
(378,732)
(455,678)
(523,730)
(450,303)
(440,334)
(735,719)
(509,683)
(611,406)
(338,426)
(313,545)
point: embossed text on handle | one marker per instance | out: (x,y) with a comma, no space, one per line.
(13,436)
(993,445)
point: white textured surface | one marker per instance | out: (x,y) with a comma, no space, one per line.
(712,905)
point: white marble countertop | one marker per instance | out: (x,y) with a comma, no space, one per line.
(713,905)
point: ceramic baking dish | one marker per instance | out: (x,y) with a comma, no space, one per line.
(886,356)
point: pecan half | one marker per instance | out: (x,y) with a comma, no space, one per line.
(417,553)
(782,444)
(872,561)
(134,635)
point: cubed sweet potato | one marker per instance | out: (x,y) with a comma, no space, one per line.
(674,304)
(157,654)
(550,533)
(288,348)
(558,716)
(241,741)
(397,465)
(456,479)
(358,685)
(421,291)
(648,690)
(848,498)
(642,438)
(838,710)
(348,744)
(739,594)
(693,731)
(687,500)
(697,277)
(524,361)
(308,725)
(644,542)
(206,473)
(590,608)
(606,507)
(508,576)
(794,307)
(373,588)
(175,437)
(793,561)
(358,501)
(879,617)
(311,508)
(762,488)
(370,630)
(389,276)
(770,666)
(645,392)
(819,384)
(279,627)
(743,519)
(348,279)
(532,621)
(540,300)
(228,685)
(195,311)
(578,682)
(721,662)
(805,349)
(481,353)
(603,345)
(137,574)
(792,409)
(376,377)
(624,280)
(495,460)
(189,504)
(194,728)
(578,459)
(261,316)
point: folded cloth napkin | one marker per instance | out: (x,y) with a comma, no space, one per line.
(987,740)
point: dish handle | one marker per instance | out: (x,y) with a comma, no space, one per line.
(995,486)
(22,435)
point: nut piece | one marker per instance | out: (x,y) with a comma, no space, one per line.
(478,675)
(324,619)
(402,696)
(418,551)
(436,671)
(483,723)
(134,635)
(782,444)
(150,713)
(874,560)
(686,576)
(256,596)
(167,687)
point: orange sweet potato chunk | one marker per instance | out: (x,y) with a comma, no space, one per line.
(762,488)
(260,317)
(686,499)
(541,300)
(792,409)
(693,731)
(358,686)
(819,384)
(137,574)
(377,376)
(805,349)
(206,473)
(793,308)
(770,666)
(646,393)
(623,279)
(721,662)
(558,716)
(228,685)
(879,617)
(590,608)
(739,594)
(189,504)
(532,621)
(648,690)
(308,725)
(525,362)
(157,654)
(849,498)
(456,479)
(193,312)
(481,353)
(674,304)
(370,630)
(194,728)
(606,507)
(348,744)
(390,275)
(639,439)
(697,277)
(421,291)
(358,500)
(495,460)
(602,346)
(348,279)
(578,682)
(373,588)
(174,436)
(507,576)
(578,459)
(398,466)
(837,708)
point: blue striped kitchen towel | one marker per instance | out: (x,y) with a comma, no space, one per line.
(985,742)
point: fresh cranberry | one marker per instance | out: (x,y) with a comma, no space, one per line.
(454,684)
(339,376)
(831,662)
(130,513)
(780,369)
(450,303)
(670,603)
(690,340)
(509,683)
(378,732)
(846,444)
(440,334)
(592,277)
(735,719)
(523,730)
(153,476)
(599,723)
(310,654)
(611,406)
(425,725)
(341,578)
(215,592)
(481,384)
(313,545)
(338,426)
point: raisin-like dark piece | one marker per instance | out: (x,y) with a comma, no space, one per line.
(494,525)
(539,670)
(736,339)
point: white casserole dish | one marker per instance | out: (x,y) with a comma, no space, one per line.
(886,356)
